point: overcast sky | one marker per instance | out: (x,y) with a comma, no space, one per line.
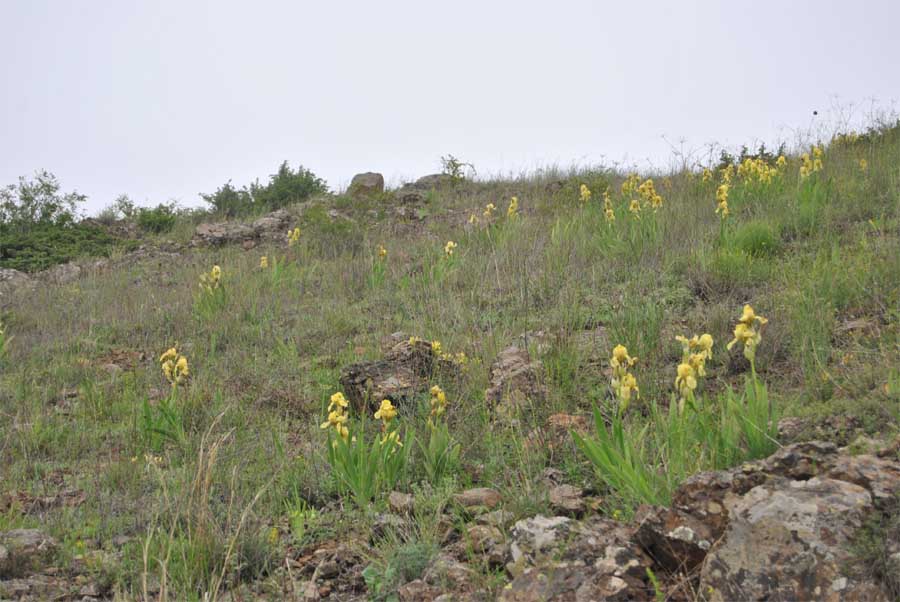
(165,99)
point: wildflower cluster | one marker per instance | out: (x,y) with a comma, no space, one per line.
(811,164)
(293,237)
(722,200)
(863,165)
(458,358)
(727,173)
(513,210)
(263,262)
(449,248)
(174,366)
(695,352)
(707,175)
(389,434)
(487,214)
(584,194)
(630,184)
(337,416)
(648,192)
(748,332)
(608,212)
(624,384)
(757,169)
(210,281)
(382,252)
(635,208)
(438,406)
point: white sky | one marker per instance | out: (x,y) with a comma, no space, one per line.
(168,98)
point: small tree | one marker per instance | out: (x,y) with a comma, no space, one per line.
(37,201)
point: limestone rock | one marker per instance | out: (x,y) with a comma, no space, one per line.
(366,184)
(272,226)
(516,380)
(24,551)
(402,374)
(478,497)
(790,540)
(675,540)
(567,499)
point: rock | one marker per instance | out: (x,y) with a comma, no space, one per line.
(366,184)
(12,280)
(479,497)
(61,274)
(401,503)
(572,582)
(879,476)
(435,181)
(496,518)
(790,540)
(91,590)
(25,551)
(417,591)
(567,499)
(676,541)
(536,537)
(488,542)
(403,373)
(516,380)
(272,226)
(248,245)
(557,433)
(448,572)
(222,233)
(409,196)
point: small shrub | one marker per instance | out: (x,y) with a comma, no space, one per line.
(157,220)
(37,201)
(230,201)
(287,186)
(47,244)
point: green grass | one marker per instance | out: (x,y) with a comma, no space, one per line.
(819,258)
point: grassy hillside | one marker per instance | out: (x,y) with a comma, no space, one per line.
(218,480)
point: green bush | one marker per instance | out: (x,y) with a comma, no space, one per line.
(37,201)
(230,201)
(284,188)
(157,220)
(45,245)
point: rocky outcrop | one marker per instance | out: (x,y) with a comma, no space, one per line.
(790,540)
(272,226)
(403,373)
(366,185)
(777,529)
(516,380)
